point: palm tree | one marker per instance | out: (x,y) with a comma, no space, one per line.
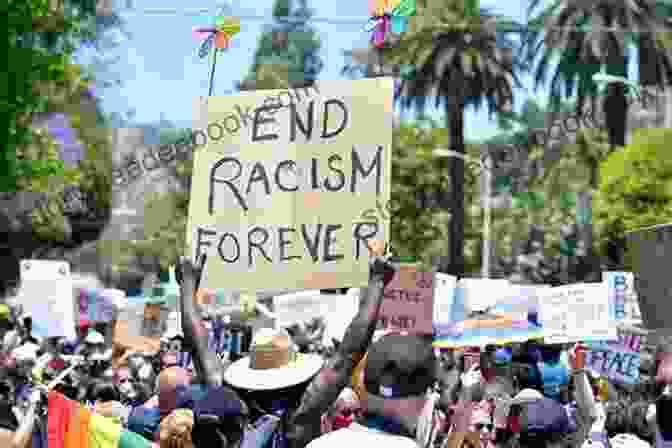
(461,60)
(593,35)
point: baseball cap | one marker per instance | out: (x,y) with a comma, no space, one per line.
(399,366)
(526,396)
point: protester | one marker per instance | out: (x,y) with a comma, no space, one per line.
(175,429)
(343,412)
(315,393)
(399,372)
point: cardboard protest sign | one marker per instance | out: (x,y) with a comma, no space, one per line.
(46,294)
(578,312)
(99,305)
(408,301)
(509,314)
(279,204)
(618,360)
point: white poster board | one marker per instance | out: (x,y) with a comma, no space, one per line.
(46,294)
(299,307)
(578,312)
(444,297)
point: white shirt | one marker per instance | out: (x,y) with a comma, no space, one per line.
(360,436)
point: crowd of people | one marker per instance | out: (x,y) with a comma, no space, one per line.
(373,388)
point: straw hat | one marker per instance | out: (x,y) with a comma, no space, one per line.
(273,363)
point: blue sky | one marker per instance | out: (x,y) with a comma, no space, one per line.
(162,74)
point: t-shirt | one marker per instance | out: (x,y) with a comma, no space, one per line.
(660,442)
(357,435)
(553,376)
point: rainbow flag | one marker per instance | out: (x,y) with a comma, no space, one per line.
(73,425)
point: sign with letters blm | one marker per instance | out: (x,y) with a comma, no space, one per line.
(651,252)
(408,301)
(278,204)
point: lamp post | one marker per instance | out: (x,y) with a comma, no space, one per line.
(486,165)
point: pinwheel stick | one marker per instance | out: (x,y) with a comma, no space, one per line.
(212,71)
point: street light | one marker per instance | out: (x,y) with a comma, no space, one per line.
(486,165)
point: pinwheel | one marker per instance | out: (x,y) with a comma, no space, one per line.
(388,16)
(220,35)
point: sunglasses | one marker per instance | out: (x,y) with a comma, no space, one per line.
(487,426)
(348,412)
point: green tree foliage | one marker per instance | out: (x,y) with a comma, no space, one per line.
(165,218)
(41,42)
(635,188)
(568,30)
(455,69)
(287,54)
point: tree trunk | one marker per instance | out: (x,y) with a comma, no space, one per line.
(455,118)
(616,103)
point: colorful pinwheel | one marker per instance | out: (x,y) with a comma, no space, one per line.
(388,16)
(220,34)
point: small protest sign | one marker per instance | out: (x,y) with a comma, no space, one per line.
(46,294)
(408,301)
(220,301)
(578,312)
(509,314)
(290,309)
(618,360)
(99,305)
(444,297)
(651,252)
(279,204)
(623,304)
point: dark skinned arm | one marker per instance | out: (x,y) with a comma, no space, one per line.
(304,423)
(207,366)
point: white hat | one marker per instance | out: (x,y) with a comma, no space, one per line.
(94,338)
(526,396)
(276,367)
(628,441)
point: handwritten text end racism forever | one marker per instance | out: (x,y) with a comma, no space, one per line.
(332,173)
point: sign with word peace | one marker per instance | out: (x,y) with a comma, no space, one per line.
(278,205)
(578,312)
(618,360)
(408,301)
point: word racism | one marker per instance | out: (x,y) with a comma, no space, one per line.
(163,155)
(287,177)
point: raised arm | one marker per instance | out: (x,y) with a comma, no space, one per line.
(304,424)
(208,368)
